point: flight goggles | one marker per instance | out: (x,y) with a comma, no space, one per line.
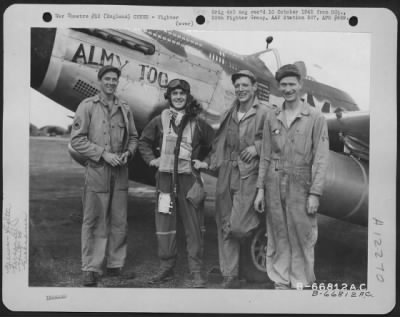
(178,83)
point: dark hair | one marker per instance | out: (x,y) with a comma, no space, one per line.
(253,81)
(246,73)
(193,108)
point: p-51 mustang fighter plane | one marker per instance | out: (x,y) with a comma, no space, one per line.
(64,66)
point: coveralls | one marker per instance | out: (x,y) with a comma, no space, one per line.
(293,165)
(96,129)
(237,181)
(150,146)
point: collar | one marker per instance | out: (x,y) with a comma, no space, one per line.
(304,110)
(250,112)
(176,115)
(99,98)
(172,109)
(254,105)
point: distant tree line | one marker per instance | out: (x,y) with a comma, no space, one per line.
(49,130)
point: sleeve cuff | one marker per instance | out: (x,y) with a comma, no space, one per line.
(260,185)
(258,148)
(100,152)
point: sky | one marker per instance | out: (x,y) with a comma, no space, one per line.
(341,60)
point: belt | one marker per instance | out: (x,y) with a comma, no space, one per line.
(233,157)
(282,165)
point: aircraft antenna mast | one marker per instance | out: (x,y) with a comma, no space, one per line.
(269,40)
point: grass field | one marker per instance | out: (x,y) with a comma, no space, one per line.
(56,184)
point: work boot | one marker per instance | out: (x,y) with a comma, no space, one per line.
(114,271)
(117,272)
(231,282)
(162,276)
(89,278)
(198,280)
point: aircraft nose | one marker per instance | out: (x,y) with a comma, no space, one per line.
(42,42)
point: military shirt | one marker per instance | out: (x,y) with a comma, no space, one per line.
(97,128)
(304,143)
(234,136)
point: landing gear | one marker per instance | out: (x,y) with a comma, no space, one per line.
(253,258)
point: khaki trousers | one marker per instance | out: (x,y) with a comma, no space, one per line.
(105,226)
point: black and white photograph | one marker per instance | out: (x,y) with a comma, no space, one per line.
(210,162)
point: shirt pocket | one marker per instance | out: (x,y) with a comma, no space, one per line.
(276,140)
(247,133)
(300,140)
(232,137)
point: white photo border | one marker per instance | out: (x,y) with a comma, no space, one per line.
(380,23)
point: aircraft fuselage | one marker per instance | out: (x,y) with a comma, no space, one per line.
(64,68)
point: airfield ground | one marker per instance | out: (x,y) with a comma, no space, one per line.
(55,210)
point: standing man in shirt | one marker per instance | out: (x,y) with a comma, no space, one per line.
(104,133)
(235,156)
(294,159)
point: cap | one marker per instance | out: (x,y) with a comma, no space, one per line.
(106,69)
(287,70)
(245,73)
(175,84)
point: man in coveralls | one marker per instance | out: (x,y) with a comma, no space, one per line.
(293,164)
(104,133)
(177,172)
(235,156)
